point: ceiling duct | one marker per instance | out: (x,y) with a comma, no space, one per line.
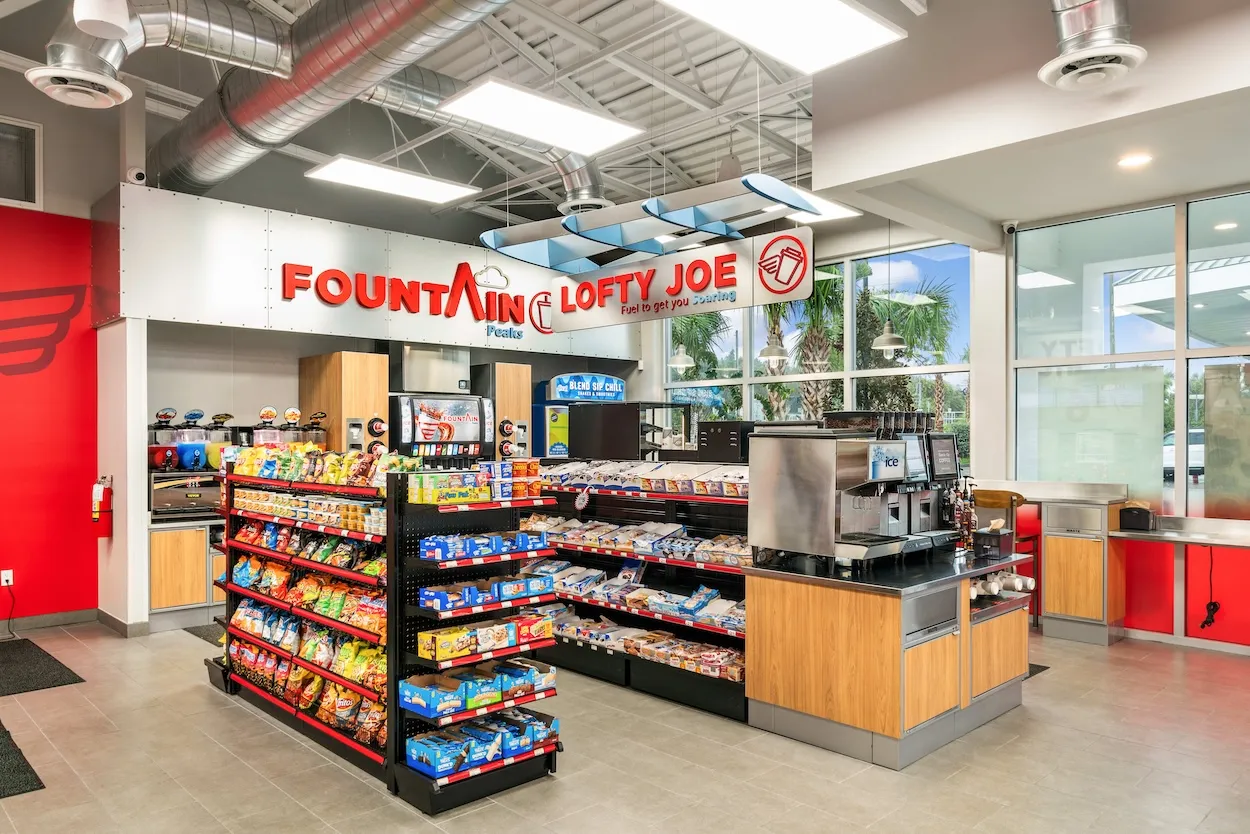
(84,71)
(343,48)
(419,92)
(1094,45)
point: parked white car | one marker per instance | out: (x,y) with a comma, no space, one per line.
(1197,453)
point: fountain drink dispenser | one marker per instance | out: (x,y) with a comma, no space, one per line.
(442,425)
(191,441)
(162,451)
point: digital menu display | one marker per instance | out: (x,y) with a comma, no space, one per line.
(917,461)
(945,454)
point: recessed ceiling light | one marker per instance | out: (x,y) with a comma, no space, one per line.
(809,35)
(362,173)
(1225,227)
(1199,306)
(828,210)
(1135,160)
(1037,280)
(518,110)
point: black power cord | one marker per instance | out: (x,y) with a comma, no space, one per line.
(8,622)
(1212,606)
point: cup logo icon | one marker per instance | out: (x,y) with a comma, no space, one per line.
(540,312)
(783,264)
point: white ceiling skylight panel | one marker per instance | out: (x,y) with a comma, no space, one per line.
(809,35)
(374,176)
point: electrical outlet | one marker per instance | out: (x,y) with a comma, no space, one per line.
(6,578)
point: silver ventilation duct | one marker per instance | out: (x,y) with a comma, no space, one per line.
(418,92)
(343,48)
(83,70)
(1094,45)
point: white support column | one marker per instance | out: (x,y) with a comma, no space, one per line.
(990,361)
(132,128)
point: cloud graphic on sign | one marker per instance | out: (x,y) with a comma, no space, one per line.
(492,278)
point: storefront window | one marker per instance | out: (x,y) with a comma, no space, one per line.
(1219,272)
(709,402)
(712,340)
(809,331)
(1098,424)
(806,400)
(1101,286)
(925,293)
(1218,476)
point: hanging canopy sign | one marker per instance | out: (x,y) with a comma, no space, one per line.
(595,388)
(767,269)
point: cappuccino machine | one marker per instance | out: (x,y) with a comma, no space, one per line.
(880,485)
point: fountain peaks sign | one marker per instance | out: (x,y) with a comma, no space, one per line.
(767,269)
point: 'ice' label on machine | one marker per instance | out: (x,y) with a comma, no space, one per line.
(885,461)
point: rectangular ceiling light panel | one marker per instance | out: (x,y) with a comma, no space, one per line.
(809,35)
(518,110)
(362,173)
(828,210)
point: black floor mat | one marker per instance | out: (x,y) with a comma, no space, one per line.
(16,774)
(210,633)
(1036,669)
(24,667)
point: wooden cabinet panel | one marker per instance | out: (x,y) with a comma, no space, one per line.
(219,566)
(178,561)
(825,651)
(1074,580)
(931,679)
(1000,650)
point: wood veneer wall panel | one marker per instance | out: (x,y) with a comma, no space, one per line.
(931,679)
(1000,650)
(178,567)
(364,394)
(514,394)
(826,651)
(1074,577)
(965,644)
(320,389)
(1117,566)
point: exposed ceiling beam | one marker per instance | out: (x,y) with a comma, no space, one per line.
(8,7)
(626,43)
(917,6)
(412,144)
(540,62)
(505,165)
(773,70)
(635,66)
(910,206)
(499,214)
(665,134)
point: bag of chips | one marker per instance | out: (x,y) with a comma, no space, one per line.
(284,538)
(346,656)
(294,542)
(343,555)
(270,538)
(325,548)
(297,680)
(311,692)
(370,717)
(274,579)
(280,675)
(246,572)
(289,641)
(325,708)
(306,592)
(316,645)
(346,706)
(312,543)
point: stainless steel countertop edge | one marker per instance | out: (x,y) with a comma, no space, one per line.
(1179,537)
(867,586)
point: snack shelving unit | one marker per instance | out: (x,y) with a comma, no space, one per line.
(368,758)
(408,573)
(703,516)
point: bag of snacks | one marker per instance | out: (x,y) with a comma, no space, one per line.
(343,555)
(346,657)
(246,572)
(311,692)
(306,592)
(274,579)
(370,717)
(316,646)
(346,706)
(325,707)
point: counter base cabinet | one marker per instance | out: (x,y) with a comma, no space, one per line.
(1074,571)
(1000,651)
(930,680)
(178,575)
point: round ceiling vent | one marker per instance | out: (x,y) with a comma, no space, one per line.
(79,88)
(1087,69)
(583,204)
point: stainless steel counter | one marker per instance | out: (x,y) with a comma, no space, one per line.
(1055,492)
(885,576)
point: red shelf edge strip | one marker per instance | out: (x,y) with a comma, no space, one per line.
(342,573)
(546,552)
(646,557)
(278,702)
(499,707)
(333,623)
(335,734)
(642,612)
(258,596)
(653,496)
(496,505)
(493,606)
(234,631)
(328,529)
(307,486)
(257,550)
(543,750)
(471,659)
(363,691)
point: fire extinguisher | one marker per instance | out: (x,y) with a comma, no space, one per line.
(102,506)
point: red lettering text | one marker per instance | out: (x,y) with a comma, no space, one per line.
(341,291)
(511,308)
(566,306)
(675,287)
(723,270)
(407,294)
(585,296)
(605,289)
(698,275)
(370,302)
(436,292)
(294,277)
(465,286)
(644,283)
(492,306)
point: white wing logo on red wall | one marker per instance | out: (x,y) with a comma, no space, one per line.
(782,264)
(33,323)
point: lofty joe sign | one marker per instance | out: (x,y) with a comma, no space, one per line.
(767,269)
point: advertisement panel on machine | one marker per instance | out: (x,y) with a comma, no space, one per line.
(766,269)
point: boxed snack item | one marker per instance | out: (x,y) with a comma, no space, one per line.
(535,585)
(485,744)
(639,643)
(493,635)
(443,547)
(480,689)
(432,695)
(540,727)
(506,588)
(501,490)
(446,643)
(515,679)
(481,592)
(437,754)
(531,627)
(583,581)
(544,674)
(444,597)
(695,603)
(539,523)
(515,735)
(545,567)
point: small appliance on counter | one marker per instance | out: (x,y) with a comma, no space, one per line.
(1136,517)
(162,451)
(993,543)
(313,432)
(219,437)
(191,441)
(182,496)
(291,431)
(264,433)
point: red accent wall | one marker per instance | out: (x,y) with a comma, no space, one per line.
(1231,579)
(1148,586)
(47,413)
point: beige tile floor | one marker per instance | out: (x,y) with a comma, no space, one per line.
(1136,738)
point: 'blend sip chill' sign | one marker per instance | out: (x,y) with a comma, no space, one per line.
(767,269)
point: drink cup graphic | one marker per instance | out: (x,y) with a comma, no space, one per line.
(782,264)
(540,312)
(33,323)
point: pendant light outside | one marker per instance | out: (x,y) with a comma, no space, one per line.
(774,355)
(681,361)
(889,341)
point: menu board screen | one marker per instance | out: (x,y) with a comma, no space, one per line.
(917,462)
(945,452)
